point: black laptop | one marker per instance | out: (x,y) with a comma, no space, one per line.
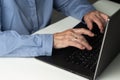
(90,64)
(117,1)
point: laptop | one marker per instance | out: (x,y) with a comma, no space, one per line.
(117,1)
(90,64)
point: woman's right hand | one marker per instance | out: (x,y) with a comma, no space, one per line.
(73,37)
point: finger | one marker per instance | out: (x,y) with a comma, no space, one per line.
(99,23)
(85,43)
(81,40)
(75,44)
(89,23)
(106,17)
(101,18)
(83,31)
(71,40)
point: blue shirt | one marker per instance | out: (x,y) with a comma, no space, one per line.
(20,18)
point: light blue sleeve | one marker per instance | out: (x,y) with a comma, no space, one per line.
(13,44)
(75,8)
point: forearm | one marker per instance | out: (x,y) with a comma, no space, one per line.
(75,8)
(14,45)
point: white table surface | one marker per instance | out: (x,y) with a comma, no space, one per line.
(33,69)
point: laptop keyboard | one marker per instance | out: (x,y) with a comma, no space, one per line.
(86,58)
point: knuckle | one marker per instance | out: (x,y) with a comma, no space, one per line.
(70,31)
(66,37)
(82,29)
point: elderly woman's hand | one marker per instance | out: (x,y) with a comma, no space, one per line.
(97,17)
(73,37)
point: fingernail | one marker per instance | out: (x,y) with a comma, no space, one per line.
(90,28)
(102,31)
(90,48)
(93,34)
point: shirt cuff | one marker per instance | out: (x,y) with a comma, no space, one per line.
(47,44)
